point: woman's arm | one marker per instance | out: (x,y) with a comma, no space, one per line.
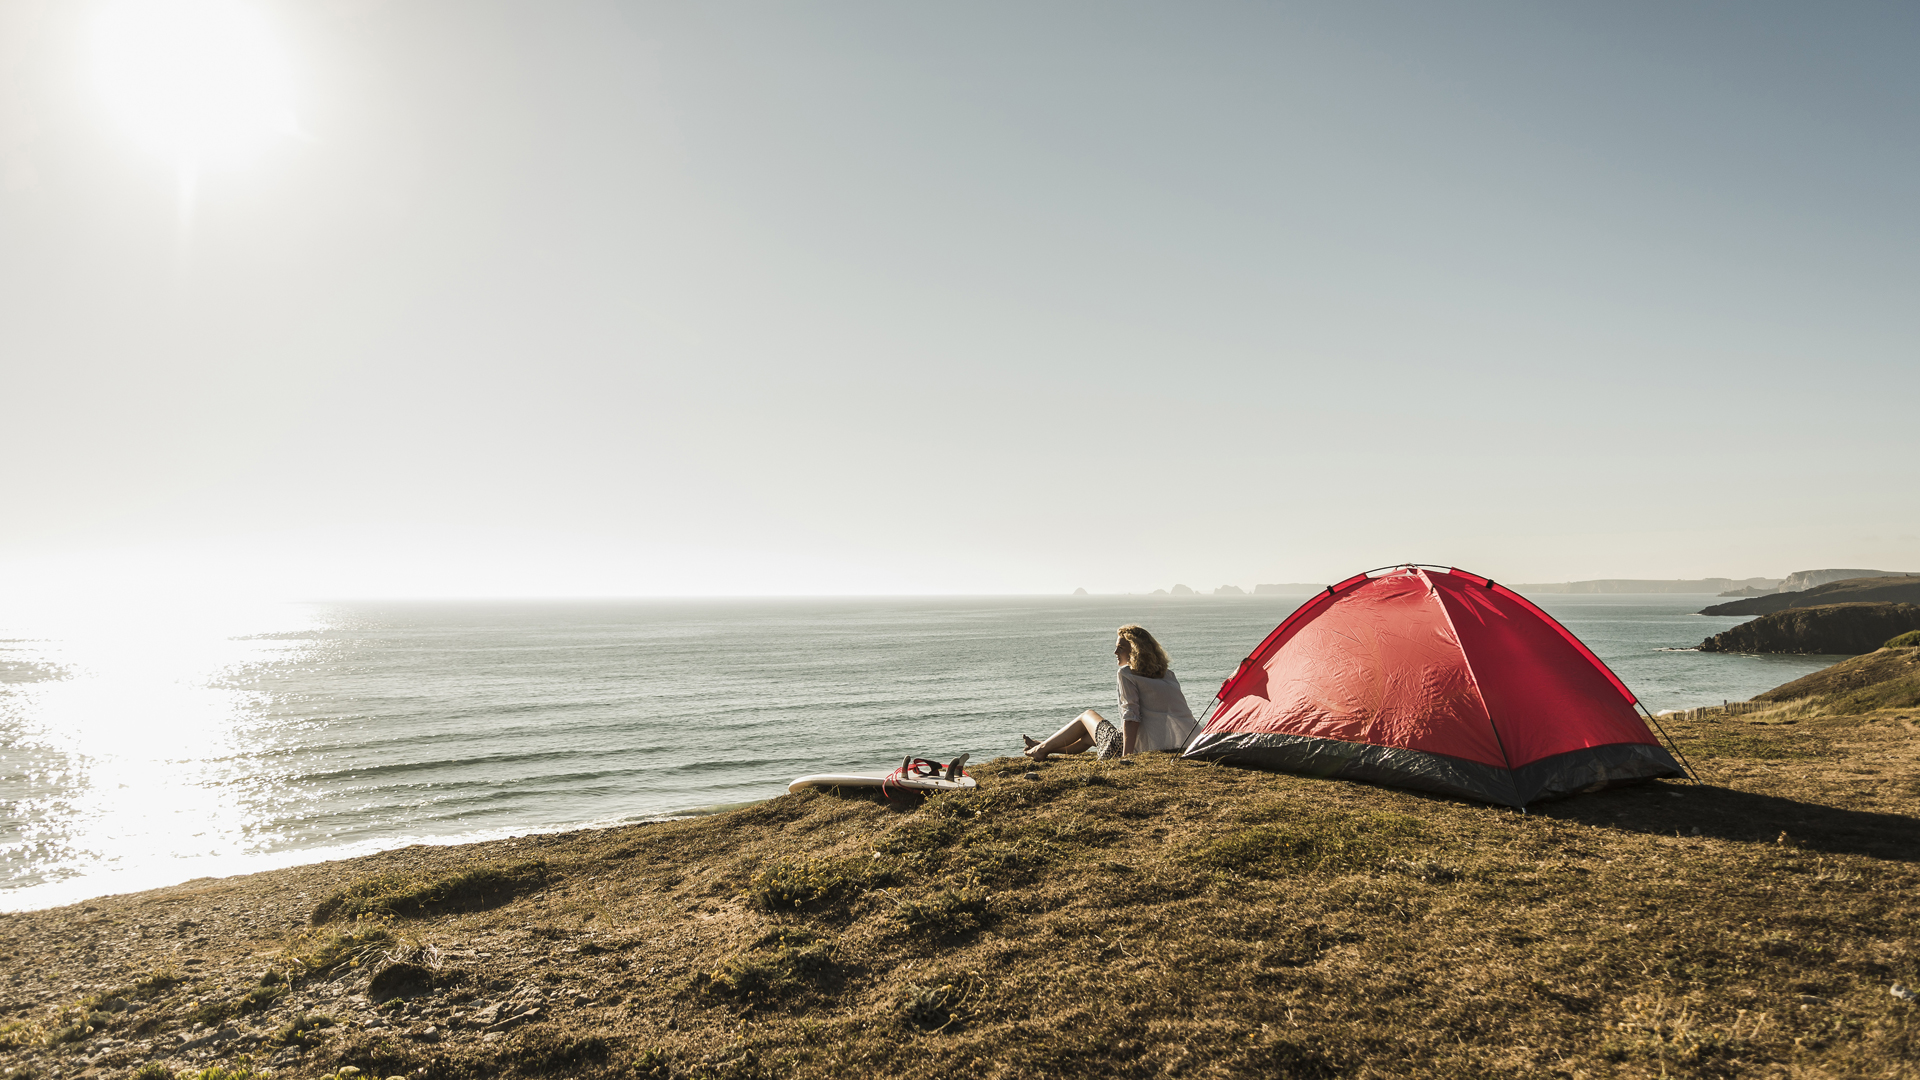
(1130,714)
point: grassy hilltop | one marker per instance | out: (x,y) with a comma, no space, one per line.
(1139,919)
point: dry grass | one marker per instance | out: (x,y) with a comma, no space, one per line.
(1155,918)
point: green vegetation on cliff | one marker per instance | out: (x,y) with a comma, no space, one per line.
(1884,679)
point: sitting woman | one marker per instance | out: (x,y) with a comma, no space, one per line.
(1153,710)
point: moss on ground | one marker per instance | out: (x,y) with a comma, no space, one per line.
(470,889)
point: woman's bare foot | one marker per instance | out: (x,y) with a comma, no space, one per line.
(1037,751)
(1030,741)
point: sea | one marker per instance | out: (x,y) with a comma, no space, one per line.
(143,746)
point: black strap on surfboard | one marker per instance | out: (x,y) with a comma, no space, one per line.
(917,768)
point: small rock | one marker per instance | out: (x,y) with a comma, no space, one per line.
(431,1035)
(207,1038)
(582,999)
(1903,993)
(1033,776)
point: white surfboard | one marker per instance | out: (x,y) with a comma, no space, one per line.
(912,783)
(916,774)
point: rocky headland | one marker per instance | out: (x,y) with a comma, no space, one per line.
(1839,629)
(1896,589)
(1801,580)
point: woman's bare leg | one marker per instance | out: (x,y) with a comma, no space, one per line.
(1075,738)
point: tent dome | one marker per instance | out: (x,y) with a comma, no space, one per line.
(1443,682)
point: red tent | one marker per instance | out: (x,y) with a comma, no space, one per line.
(1444,682)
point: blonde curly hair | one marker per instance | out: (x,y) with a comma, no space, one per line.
(1145,656)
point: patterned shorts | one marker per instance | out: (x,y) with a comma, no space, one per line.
(1107,742)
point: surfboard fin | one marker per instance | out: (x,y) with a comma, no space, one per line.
(955,767)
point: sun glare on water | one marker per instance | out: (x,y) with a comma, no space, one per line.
(196,80)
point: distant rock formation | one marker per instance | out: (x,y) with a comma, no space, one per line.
(1709,586)
(1229,590)
(1894,590)
(1291,588)
(1840,629)
(1182,590)
(1158,592)
(1802,580)
(1079,592)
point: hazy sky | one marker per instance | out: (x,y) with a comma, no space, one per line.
(642,298)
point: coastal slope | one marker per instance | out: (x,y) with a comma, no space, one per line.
(1136,919)
(1883,679)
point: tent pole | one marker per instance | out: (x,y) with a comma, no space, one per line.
(1512,781)
(1693,774)
(1198,724)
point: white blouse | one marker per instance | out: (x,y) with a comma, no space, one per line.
(1159,707)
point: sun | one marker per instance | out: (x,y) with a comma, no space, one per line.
(197,80)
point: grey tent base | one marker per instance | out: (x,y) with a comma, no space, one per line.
(1588,769)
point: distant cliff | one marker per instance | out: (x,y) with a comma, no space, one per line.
(1710,586)
(1840,629)
(1802,580)
(1895,590)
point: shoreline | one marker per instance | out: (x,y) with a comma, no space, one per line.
(319,856)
